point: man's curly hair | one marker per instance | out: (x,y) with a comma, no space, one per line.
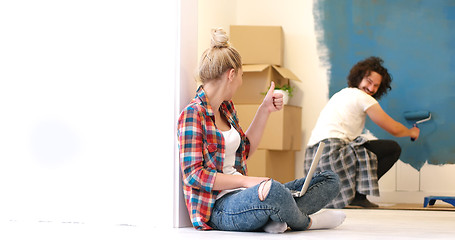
(364,68)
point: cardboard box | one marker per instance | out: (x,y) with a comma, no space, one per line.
(258,44)
(283,130)
(279,165)
(256,82)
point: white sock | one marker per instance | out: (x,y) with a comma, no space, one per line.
(275,227)
(327,219)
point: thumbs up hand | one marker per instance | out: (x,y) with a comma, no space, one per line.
(273,101)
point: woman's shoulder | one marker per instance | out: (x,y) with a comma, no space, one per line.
(193,109)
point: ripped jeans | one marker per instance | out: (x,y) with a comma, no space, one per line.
(243,210)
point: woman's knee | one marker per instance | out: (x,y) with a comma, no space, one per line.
(266,187)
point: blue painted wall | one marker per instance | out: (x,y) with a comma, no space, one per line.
(416,39)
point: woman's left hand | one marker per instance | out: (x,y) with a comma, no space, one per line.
(273,101)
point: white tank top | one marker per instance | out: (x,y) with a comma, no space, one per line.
(232,143)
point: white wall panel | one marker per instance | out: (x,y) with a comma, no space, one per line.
(87,110)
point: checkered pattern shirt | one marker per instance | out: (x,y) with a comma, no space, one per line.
(201,152)
(355,165)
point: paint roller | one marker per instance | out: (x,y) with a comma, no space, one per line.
(418,117)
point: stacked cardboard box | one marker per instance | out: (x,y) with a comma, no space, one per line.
(261,48)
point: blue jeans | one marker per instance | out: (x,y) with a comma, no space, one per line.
(243,211)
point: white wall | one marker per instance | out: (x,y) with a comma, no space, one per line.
(404,184)
(212,14)
(86,91)
(185,91)
(301,56)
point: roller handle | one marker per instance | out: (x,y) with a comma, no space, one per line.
(413,139)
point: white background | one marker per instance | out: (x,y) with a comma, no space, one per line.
(86,92)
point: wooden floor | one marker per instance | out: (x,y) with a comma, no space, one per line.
(359,224)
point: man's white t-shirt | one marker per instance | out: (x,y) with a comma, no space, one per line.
(343,116)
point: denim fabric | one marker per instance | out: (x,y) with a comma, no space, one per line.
(243,211)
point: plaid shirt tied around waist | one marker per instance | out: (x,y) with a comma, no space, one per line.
(355,165)
(201,152)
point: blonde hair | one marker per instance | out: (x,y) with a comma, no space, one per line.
(218,58)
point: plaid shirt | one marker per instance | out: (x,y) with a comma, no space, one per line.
(201,150)
(355,165)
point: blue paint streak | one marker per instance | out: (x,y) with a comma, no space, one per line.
(416,39)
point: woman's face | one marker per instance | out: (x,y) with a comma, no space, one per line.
(370,84)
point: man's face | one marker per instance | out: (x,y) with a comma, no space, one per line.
(370,84)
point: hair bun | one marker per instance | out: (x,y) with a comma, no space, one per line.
(219,38)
